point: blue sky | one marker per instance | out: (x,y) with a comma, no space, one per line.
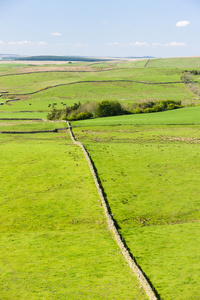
(119,28)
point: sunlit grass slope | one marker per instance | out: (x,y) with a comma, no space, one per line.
(189,115)
(125,92)
(126,81)
(150,175)
(30,125)
(178,62)
(54,239)
(21,115)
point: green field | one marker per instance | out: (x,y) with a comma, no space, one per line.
(189,115)
(126,82)
(54,239)
(177,62)
(150,174)
(55,243)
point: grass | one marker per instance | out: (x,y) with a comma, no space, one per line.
(125,92)
(178,62)
(54,237)
(150,175)
(115,84)
(25,114)
(31,125)
(189,115)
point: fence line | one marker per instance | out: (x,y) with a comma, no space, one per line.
(151,293)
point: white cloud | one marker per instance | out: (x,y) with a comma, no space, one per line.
(172,44)
(182,23)
(127,45)
(158,44)
(56,33)
(104,22)
(22,43)
(175,44)
(19,43)
(139,44)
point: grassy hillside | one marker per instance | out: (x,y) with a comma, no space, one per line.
(150,175)
(54,238)
(177,62)
(55,243)
(189,115)
(127,82)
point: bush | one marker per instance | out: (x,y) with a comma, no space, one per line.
(137,111)
(148,104)
(157,108)
(107,108)
(55,114)
(148,110)
(80,116)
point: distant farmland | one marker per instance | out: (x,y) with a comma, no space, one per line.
(55,241)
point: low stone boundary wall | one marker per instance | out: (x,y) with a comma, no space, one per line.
(89,81)
(134,267)
(32,131)
(20,119)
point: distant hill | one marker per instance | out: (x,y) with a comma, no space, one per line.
(9,56)
(134,57)
(60,58)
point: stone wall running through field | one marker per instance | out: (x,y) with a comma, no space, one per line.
(111,224)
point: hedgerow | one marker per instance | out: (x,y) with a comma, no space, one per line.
(106,108)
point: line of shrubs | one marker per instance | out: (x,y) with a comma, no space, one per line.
(106,108)
(150,106)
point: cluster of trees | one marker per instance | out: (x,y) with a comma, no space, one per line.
(188,78)
(150,106)
(106,108)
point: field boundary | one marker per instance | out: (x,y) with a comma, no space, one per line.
(147,63)
(32,131)
(66,71)
(22,119)
(149,289)
(99,81)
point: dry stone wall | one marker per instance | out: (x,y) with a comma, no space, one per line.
(134,267)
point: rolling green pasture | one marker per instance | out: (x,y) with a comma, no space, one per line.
(27,83)
(54,242)
(120,83)
(140,63)
(54,239)
(176,62)
(150,174)
(188,115)
(26,125)
(25,114)
(126,92)
(10,67)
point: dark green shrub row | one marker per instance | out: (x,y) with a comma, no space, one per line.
(194,72)
(80,116)
(87,110)
(148,107)
(62,114)
(107,108)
